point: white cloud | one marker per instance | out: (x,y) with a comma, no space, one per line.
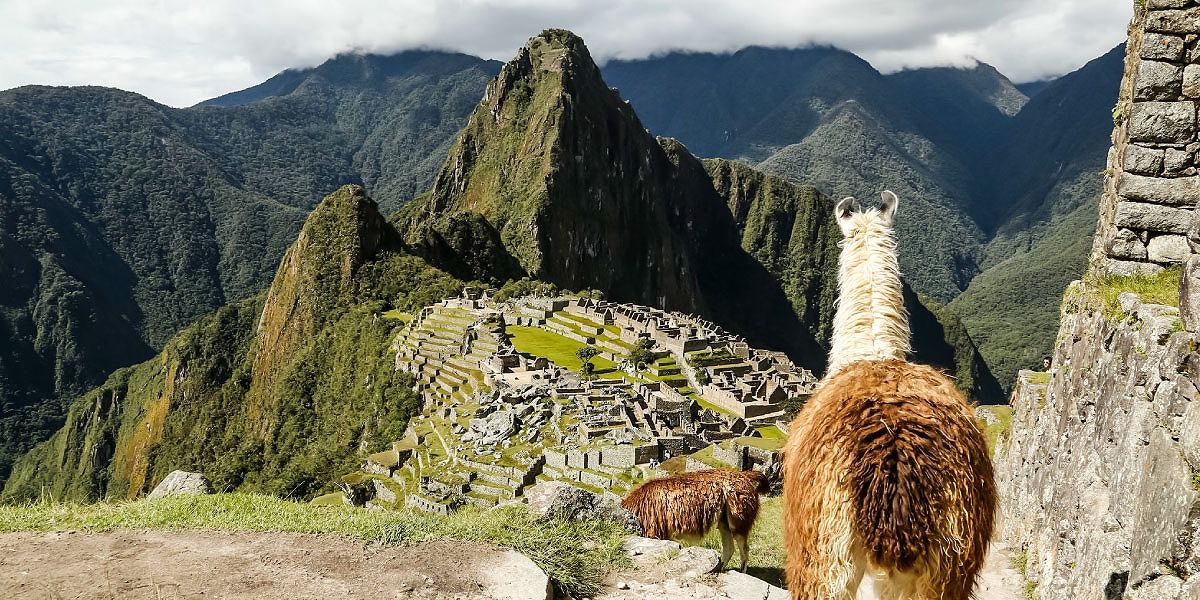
(180,53)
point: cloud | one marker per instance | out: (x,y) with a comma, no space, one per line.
(181,53)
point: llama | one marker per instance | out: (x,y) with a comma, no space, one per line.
(886,474)
(687,505)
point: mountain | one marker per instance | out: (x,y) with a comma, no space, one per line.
(824,117)
(999,189)
(123,221)
(1048,182)
(277,393)
(555,178)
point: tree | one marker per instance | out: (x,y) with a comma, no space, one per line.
(641,355)
(586,354)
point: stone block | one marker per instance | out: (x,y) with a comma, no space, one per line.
(1162,122)
(1145,161)
(1157,80)
(1160,4)
(1167,249)
(1173,21)
(1158,46)
(1126,244)
(1152,217)
(1189,310)
(1193,232)
(1191,81)
(1175,162)
(1131,267)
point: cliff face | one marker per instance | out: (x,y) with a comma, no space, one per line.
(1101,474)
(279,393)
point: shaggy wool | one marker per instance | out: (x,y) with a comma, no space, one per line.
(886,475)
(688,505)
(871,322)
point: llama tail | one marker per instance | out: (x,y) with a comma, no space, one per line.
(893,513)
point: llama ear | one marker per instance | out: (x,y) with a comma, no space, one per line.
(845,207)
(888,209)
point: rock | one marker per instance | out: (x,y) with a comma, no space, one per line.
(181,483)
(1163,122)
(382,491)
(1167,249)
(1191,81)
(1160,588)
(559,500)
(1176,162)
(1147,161)
(1179,191)
(1158,46)
(1126,244)
(1152,217)
(1173,21)
(695,561)
(1193,232)
(1191,589)
(1129,267)
(514,577)
(649,547)
(1157,4)
(1157,81)
(740,586)
(1130,302)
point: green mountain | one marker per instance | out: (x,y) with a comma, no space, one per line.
(999,190)
(122,220)
(1048,183)
(277,393)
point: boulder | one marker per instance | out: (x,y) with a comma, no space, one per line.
(740,586)
(1189,293)
(181,483)
(512,576)
(695,561)
(559,500)
(649,548)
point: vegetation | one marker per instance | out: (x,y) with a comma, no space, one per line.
(997,430)
(520,288)
(575,554)
(767,552)
(640,354)
(283,392)
(1161,288)
(560,350)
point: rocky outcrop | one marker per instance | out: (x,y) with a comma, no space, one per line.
(1100,478)
(181,483)
(558,500)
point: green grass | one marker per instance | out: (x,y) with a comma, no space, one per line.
(557,349)
(397,315)
(575,554)
(1162,288)
(767,554)
(764,443)
(998,430)
(771,432)
(1038,377)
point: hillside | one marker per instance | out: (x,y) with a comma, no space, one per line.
(122,220)
(266,394)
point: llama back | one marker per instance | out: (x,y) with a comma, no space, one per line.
(689,504)
(918,479)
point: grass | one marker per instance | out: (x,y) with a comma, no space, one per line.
(397,315)
(575,554)
(764,442)
(1038,377)
(557,349)
(771,432)
(767,554)
(998,430)
(1162,288)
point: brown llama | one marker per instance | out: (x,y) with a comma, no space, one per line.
(686,506)
(886,473)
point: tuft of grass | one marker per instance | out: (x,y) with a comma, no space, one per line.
(1162,288)
(994,432)
(575,554)
(1038,377)
(1196,480)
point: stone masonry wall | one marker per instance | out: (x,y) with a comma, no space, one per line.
(1100,475)
(1151,185)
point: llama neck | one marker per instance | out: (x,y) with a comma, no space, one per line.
(871,322)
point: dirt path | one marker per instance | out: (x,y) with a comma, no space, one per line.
(160,565)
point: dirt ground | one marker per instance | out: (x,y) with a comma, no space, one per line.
(162,565)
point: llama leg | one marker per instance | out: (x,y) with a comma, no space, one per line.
(743,543)
(726,542)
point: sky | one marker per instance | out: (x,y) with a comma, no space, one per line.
(180,52)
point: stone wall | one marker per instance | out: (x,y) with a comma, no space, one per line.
(1151,185)
(1100,476)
